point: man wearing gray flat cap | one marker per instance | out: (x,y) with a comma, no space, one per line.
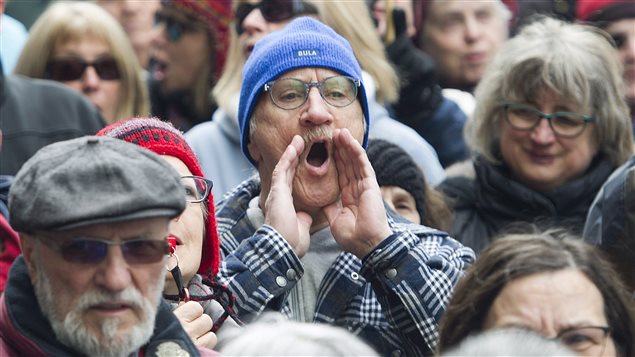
(92,214)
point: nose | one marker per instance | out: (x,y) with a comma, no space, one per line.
(159,35)
(90,80)
(317,112)
(113,272)
(254,22)
(472,29)
(542,132)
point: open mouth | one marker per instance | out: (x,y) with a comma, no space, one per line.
(318,154)
(159,70)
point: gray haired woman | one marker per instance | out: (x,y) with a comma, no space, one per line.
(550,125)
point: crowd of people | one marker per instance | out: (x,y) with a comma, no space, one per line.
(338,178)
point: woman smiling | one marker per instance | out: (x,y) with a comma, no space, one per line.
(550,126)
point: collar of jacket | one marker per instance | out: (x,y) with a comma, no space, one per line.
(31,333)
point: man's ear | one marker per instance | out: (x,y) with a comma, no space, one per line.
(254,151)
(28,245)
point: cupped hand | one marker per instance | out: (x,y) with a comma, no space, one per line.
(279,209)
(358,219)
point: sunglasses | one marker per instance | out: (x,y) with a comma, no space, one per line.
(175,28)
(273,11)
(619,39)
(71,69)
(93,251)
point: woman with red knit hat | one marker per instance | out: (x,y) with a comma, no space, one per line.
(188,55)
(617,17)
(195,249)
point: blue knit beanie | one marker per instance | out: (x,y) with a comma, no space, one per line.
(304,42)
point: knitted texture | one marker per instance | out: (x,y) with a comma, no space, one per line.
(394,167)
(217,15)
(604,10)
(164,139)
(304,42)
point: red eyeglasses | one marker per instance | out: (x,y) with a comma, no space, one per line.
(71,69)
(273,11)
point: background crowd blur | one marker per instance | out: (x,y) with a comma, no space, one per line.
(457,92)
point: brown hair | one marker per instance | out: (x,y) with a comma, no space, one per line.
(517,255)
(438,214)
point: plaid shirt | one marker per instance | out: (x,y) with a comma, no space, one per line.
(393,298)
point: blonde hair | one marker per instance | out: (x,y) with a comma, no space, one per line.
(361,34)
(228,85)
(352,20)
(572,61)
(65,22)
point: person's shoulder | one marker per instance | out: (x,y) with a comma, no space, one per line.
(459,184)
(201,130)
(52,98)
(415,145)
(212,133)
(18,84)
(236,201)
(463,168)
(608,214)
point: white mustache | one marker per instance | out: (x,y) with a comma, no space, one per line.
(130,297)
(318,133)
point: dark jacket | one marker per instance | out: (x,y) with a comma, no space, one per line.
(35,113)
(177,108)
(24,331)
(423,107)
(610,223)
(492,201)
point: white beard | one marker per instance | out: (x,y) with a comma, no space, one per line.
(71,331)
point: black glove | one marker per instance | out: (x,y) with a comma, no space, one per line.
(420,94)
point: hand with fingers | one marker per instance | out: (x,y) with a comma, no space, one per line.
(279,209)
(196,323)
(358,219)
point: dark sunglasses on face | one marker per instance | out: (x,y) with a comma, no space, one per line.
(619,39)
(72,69)
(174,27)
(273,11)
(93,251)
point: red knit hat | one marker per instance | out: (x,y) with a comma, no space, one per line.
(164,139)
(218,15)
(604,10)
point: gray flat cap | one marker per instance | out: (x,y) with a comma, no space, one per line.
(92,180)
